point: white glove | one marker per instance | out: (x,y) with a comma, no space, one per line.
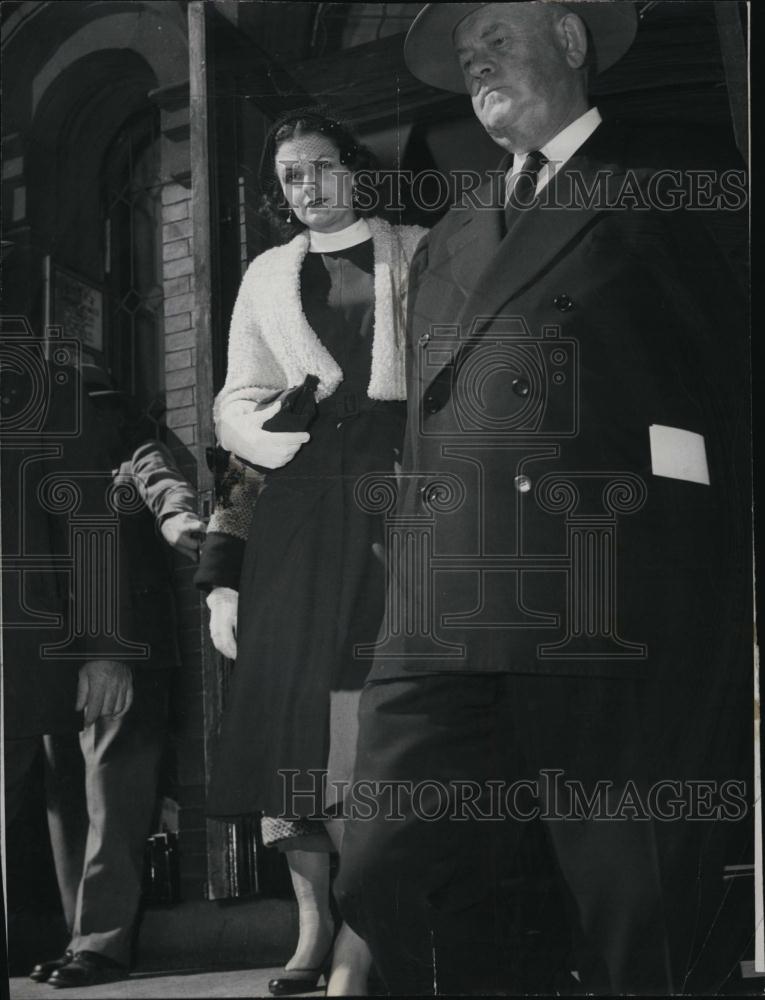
(222,602)
(243,434)
(184,531)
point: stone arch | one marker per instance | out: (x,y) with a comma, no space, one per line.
(75,120)
(159,41)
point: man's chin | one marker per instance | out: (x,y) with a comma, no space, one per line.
(499,130)
(497,119)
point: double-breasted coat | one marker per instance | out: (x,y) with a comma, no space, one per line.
(559,381)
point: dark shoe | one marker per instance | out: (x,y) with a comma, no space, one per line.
(44,970)
(87,968)
(297,981)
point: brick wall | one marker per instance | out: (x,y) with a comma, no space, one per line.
(178,283)
(187,730)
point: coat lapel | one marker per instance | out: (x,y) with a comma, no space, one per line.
(538,236)
(478,239)
(491,271)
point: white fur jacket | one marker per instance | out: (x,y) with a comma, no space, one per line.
(272,347)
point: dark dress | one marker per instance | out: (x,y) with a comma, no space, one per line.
(311,587)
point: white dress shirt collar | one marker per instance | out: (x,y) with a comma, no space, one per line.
(562,146)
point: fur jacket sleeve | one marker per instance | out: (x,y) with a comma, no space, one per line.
(272,347)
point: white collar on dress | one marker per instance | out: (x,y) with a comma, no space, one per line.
(357,232)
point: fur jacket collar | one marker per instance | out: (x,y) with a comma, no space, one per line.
(271,344)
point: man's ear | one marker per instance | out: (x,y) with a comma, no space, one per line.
(572,36)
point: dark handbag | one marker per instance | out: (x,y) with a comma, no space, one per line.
(298,410)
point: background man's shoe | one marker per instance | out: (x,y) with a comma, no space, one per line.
(44,970)
(87,968)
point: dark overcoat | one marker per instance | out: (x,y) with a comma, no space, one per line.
(56,478)
(541,531)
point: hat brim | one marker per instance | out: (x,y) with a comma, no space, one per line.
(429,50)
(97,383)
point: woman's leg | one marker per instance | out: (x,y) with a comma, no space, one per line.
(351,958)
(309,871)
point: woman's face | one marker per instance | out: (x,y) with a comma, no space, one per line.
(318,188)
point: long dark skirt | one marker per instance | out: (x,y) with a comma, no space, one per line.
(312,589)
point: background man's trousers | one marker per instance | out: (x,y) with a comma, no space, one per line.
(100,790)
(427,894)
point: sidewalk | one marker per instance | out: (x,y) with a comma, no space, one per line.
(175,985)
(198,984)
(196,949)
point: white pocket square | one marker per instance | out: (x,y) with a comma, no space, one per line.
(678,454)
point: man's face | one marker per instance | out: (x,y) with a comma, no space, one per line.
(515,68)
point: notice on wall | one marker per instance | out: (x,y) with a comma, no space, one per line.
(78,307)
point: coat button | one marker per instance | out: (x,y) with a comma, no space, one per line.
(423,340)
(522,484)
(563,302)
(431,404)
(521,387)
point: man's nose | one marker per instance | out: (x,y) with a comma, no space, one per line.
(481,67)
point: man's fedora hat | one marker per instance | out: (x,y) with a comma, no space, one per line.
(429,51)
(97,382)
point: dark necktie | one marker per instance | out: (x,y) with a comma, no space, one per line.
(520,188)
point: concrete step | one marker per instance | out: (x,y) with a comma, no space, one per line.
(209,933)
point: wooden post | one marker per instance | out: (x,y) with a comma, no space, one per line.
(201,155)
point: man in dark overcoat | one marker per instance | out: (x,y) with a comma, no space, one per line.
(567,559)
(84,497)
(57,662)
(62,664)
(101,787)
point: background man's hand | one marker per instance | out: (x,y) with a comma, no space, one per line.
(104,689)
(185,532)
